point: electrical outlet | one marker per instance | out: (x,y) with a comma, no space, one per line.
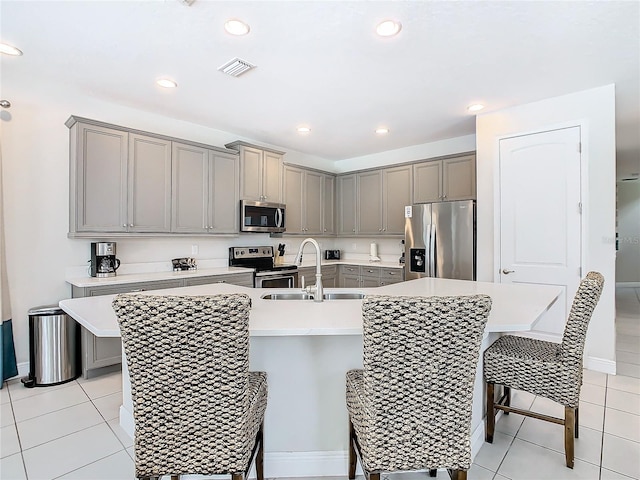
(194,249)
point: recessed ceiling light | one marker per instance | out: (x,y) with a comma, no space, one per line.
(303,129)
(236,27)
(382,130)
(388,28)
(9,50)
(475,107)
(166,83)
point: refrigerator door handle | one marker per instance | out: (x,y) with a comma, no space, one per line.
(432,251)
(427,253)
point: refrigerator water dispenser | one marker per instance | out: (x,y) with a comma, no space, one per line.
(418,263)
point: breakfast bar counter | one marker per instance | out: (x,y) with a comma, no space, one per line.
(306,348)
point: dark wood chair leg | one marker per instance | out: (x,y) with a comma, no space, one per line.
(433,472)
(374,476)
(490,418)
(458,474)
(237,476)
(260,454)
(352,451)
(175,477)
(576,425)
(569,425)
(507,398)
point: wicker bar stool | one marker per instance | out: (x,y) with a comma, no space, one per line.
(197,408)
(548,369)
(410,407)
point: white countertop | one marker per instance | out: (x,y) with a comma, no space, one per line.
(153,276)
(514,307)
(205,272)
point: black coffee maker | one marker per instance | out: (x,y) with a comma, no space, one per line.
(103,259)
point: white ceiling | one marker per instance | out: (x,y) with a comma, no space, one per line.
(319,63)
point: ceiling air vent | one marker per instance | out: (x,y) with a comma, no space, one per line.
(236,67)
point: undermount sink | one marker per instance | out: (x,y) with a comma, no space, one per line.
(344,296)
(306,296)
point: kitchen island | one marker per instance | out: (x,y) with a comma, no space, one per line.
(306,349)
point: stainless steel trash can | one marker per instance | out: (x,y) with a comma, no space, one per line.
(54,347)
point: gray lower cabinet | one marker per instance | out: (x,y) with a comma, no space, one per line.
(103,354)
(355,276)
(329,276)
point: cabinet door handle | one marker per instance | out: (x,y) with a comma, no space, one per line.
(391,273)
(221,281)
(137,290)
(131,224)
(124,225)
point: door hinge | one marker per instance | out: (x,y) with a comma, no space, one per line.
(580,271)
(580,208)
(579,147)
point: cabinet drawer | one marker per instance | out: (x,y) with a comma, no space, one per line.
(242,279)
(389,274)
(370,272)
(133,287)
(349,270)
(329,270)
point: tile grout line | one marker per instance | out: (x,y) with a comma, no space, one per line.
(15,425)
(604,415)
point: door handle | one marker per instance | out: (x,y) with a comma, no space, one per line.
(507,272)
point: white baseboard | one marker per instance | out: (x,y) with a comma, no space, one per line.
(627,284)
(126,421)
(600,365)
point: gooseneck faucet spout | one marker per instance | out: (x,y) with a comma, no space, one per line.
(317,290)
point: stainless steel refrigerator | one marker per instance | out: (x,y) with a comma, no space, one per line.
(440,240)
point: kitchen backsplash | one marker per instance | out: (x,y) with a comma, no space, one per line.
(146,255)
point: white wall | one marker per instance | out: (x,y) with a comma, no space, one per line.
(594,111)
(628,255)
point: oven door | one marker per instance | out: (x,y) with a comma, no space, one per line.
(276,280)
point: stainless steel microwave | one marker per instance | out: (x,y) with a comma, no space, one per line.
(262,217)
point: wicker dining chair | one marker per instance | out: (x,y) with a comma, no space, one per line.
(197,407)
(551,370)
(410,407)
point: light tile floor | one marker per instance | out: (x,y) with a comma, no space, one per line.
(71,431)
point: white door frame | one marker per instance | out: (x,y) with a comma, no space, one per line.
(584,157)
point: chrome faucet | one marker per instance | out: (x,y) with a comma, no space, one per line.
(317,290)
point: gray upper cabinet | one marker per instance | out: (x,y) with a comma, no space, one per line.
(224,197)
(205,195)
(427,182)
(190,189)
(459,178)
(149,179)
(261,172)
(98,186)
(303,195)
(123,181)
(346,204)
(396,193)
(369,203)
(447,179)
(329,205)
(293,178)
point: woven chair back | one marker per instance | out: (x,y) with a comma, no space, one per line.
(420,362)
(575,331)
(188,361)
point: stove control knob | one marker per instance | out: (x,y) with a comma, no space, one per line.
(241,252)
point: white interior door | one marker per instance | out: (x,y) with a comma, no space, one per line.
(540,210)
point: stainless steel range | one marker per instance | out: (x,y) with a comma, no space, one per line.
(268,275)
